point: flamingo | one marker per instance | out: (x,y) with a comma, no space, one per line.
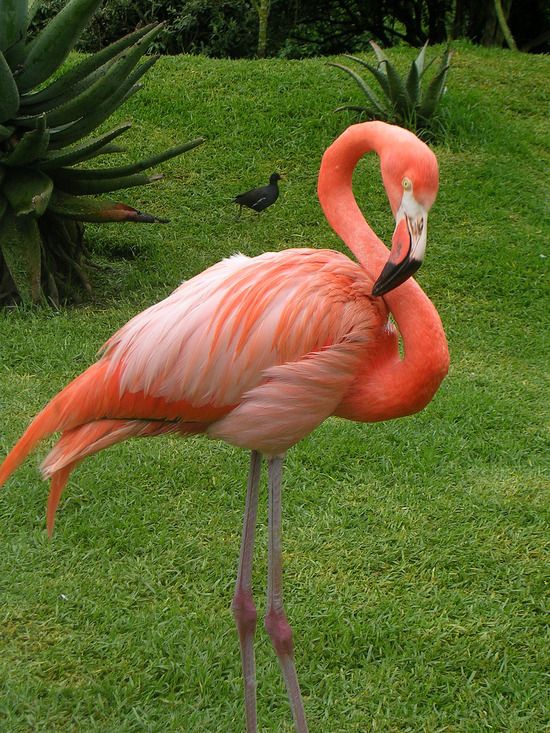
(259,351)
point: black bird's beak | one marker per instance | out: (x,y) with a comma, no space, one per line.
(407,253)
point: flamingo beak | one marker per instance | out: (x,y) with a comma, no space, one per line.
(407,252)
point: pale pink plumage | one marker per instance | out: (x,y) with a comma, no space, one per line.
(279,335)
(210,341)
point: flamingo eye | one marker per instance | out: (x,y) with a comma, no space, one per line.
(407,184)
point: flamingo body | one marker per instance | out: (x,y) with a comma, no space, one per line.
(259,351)
(281,334)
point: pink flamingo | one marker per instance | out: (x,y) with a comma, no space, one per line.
(259,351)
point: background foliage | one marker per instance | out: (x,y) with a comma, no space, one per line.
(300,28)
(410,101)
(46,123)
(416,551)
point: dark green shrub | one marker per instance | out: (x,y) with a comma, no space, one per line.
(222,28)
(404,101)
(45,121)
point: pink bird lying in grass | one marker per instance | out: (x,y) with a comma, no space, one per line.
(259,351)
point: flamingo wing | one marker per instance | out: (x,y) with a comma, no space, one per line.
(292,400)
(256,351)
(216,336)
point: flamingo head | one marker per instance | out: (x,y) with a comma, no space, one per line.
(410,175)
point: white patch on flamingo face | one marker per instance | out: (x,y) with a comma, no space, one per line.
(417,223)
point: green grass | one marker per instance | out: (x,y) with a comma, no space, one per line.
(414,550)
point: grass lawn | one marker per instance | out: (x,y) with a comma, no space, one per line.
(414,550)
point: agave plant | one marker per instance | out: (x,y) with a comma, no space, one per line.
(403,101)
(44,127)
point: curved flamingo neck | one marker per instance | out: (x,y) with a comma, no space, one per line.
(390,386)
(335,192)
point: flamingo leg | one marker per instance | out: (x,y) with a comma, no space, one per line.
(244,610)
(276,622)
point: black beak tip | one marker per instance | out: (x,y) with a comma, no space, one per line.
(383,283)
(377,289)
(392,276)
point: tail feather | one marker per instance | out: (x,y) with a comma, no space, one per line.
(95,396)
(85,440)
(58,483)
(75,404)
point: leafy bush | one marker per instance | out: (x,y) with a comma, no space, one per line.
(44,124)
(224,28)
(403,101)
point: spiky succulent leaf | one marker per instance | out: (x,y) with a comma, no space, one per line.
(104,87)
(30,112)
(67,134)
(436,89)
(52,45)
(64,87)
(98,211)
(420,60)
(404,101)
(376,71)
(44,132)
(87,187)
(13,19)
(9,94)
(13,23)
(128,170)
(375,104)
(108,149)
(413,85)
(398,92)
(380,55)
(84,151)
(30,147)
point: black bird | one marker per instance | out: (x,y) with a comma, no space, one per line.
(259,199)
